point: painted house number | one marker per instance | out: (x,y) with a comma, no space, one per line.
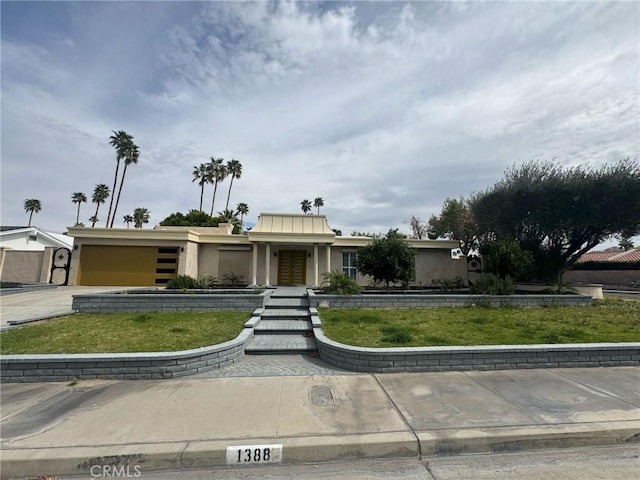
(252,454)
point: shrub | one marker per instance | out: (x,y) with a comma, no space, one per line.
(448,284)
(489,284)
(204,282)
(232,279)
(181,282)
(338,283)
(506,259)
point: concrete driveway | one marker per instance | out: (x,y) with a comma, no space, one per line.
(38,304)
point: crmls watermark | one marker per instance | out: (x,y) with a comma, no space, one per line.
(110,471)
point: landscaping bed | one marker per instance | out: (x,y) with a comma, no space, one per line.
(138,332)
(609,321)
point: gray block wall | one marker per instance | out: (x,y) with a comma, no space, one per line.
(426,301)
(170,302)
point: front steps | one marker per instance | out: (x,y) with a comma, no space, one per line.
(284,326)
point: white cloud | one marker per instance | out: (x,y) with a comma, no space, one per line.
(383,109)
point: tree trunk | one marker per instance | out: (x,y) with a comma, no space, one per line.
(78,214)
(115,208)
(213,201)
(229,194)
(30,215)
(115,181)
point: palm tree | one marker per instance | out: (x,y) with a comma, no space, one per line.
(318,202)
(127,219)
(100,195)
(140,216)
(229,216)
(217,173)
(32,205)
(234,169)
(78,197)
(119,140)
(202,174)
(243,209)
(306,206)
(131,156)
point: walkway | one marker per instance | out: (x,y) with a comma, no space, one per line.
(43,303)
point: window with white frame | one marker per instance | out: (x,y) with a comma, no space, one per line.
(349,265)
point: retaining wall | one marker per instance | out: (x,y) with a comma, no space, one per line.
(168,302)
(426,301)
(124,366)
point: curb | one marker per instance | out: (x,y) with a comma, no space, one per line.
(74,460)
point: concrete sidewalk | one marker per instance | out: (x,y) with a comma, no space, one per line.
(58,429)
(39,304)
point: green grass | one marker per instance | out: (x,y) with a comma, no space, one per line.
(608,321)
(124,332)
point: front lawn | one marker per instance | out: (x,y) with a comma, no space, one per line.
(608,321)
(124,332)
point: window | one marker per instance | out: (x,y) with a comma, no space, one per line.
(349,265)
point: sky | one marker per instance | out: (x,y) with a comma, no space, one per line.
(383,109)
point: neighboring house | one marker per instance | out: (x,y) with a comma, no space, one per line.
(613,275)
(281,249)
(26,253)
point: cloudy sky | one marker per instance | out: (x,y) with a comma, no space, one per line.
(383,109)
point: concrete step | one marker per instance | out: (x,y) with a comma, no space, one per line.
(288,303)
(280,344)
(285,326)
(286,313)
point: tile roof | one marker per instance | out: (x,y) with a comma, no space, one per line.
(632,255)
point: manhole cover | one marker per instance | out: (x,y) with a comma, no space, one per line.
(321,395)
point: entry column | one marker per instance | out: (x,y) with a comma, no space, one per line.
(267,265)
(315,265)
(328,257)
(254,265)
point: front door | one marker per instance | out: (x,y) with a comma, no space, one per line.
(292,267)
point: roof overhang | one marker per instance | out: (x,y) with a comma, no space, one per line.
(292,228)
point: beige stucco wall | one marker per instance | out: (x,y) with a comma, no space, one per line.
(26,266)
(434,264)
(208,260)
(188,259)
(234,261)
(605,277)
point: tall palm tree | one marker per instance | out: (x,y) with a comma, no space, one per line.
(217,173)
(306,206)
(229,216)
(127,219)
(140,216)
(32,205)
(202,174)
(318,202)
(93,220)
(243,209)
(120,141)
(234,170)
(131,157)
(100,195)
(78,197)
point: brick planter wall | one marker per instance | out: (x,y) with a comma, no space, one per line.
(433,300)
(169,302)
(124,366)
(492,357)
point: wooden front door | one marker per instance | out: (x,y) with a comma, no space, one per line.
(292,267)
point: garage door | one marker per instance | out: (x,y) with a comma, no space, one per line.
(127,266)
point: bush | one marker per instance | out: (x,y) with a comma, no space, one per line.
(506,259)
(489,284)
(232,279)
(448,284)
(338,283)
(204,282)
(181,282)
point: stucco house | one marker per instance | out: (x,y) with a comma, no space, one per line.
(26,253)
(281,249)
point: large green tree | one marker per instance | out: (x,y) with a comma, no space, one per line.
(234,170)
(120,141)
(559,213)
(388,259)
(140,217)
(100,195)
(217,173)
(455,222)
(32,205)
(79,198)
(201,174)
(132,153)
